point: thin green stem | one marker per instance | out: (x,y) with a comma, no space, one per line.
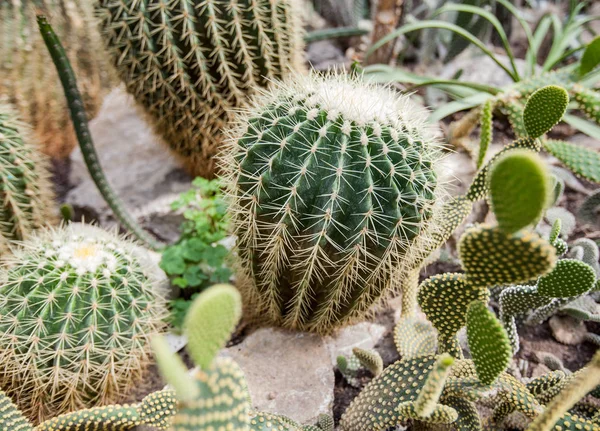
(334,33)
(84,137)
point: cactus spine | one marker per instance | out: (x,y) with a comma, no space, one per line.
(25,191)
(77,307)
(29,82)
(331,184)
(189,63)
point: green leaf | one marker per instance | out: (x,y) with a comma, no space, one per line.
(172,261)
(488,342)
(194,276)
(582,161)
(544,110)
(583,125)
(214,255)
(590,58)
(520,189)
(193,249)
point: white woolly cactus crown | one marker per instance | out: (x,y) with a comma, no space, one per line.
(77,309)
(331,182)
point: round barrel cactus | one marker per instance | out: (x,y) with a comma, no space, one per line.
(28,79)
(77,309)
(331,183)
(26,199)
(189,63)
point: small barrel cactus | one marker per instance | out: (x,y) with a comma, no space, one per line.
(331,183)
(25,190)
(29,81)
(190,63)
(77,308)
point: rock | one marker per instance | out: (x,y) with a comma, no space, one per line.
(288,373)
(568,330)
(141,170)
(364,335)
(539,370)
(325,54)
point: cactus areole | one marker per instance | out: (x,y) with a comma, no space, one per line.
(331,182)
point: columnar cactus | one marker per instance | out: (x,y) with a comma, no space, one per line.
(32,85)
(77,307)
(191,63)
(25,190)
(331,184)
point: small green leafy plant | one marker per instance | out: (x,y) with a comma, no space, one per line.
(198,259)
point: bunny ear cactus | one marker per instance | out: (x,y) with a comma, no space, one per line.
(191,63)
(26,198)
(215,396)
(32,86)
(155,410)
(72,301)
(544,109)
(332,183)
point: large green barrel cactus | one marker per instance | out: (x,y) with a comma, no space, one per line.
(25,191)
(189,63)
(331,181)
(77,308)
(32,85)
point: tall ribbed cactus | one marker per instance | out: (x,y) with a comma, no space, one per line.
(77,307)
(25,191)
(189,63)
(29,81)
(331,183)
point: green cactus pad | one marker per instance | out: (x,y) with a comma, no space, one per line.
(513,109)
(192,64)
(329,198)
(10,416)
(440,415)
(415,337)
(515,301)
(369,359)
(26,199)
(491,257)
(452,215)
(375,407)
(543,383)
(110,418)
(520,189)
(434,296)
(173,370)
(588,101)
(210,321)
(426,403)
(157,409)
(544,109)
(582,161)
(222,403)
(479,187)
(84,298)
(569,278)
(325,422)
(262,421)
(486,131)
(468,415)
(488,342)
(349,367)
(555,231)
